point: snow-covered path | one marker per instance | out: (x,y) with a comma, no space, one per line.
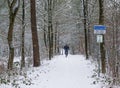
(61,72)
(70,72)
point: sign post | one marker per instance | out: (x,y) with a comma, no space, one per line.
(100,30)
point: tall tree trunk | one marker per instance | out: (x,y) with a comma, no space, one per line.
(36,55)
(85,27)
(88,28)
(115,60)
(23,34)
(50,29)
(45,29)
(102,45)
(56,31)
(13,9)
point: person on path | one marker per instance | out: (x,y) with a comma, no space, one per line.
(66,48)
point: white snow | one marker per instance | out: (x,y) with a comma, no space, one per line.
(61,72)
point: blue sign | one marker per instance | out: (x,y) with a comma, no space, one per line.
(99,27)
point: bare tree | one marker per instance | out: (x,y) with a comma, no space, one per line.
(13,9)
(23,34)
(85,27)
(50,29)
(36,56)
(102,45)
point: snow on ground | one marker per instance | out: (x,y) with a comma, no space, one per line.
(61,72)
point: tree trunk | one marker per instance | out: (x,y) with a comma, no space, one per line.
(23,34)
(10,43)
(50,29)
(36,55)
(102,45)
(13,9)
(45,30)
(85,26)
(56,30)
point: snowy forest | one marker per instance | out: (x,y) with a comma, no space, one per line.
(35,30)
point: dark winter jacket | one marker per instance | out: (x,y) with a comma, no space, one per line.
(66,48)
